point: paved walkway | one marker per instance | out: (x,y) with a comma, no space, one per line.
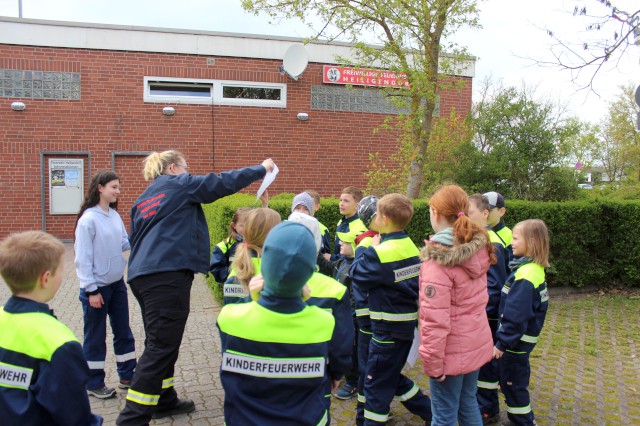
(196,373)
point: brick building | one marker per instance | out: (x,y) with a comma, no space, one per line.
(94,97)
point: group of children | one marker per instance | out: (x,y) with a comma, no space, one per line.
(298,318)
(487,282)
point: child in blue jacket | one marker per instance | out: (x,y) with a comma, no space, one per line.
(43,369)
(224,252)
(277,353)
(523,308)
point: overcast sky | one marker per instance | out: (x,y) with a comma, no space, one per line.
(511,33)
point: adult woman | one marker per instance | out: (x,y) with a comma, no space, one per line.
(100,240)
(169,243)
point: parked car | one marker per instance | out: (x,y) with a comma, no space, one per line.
(585,186)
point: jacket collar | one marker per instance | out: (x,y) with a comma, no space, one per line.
(20,305)
(282,305)
(454,255)
(393,235)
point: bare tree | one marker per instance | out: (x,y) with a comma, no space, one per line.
(612,33)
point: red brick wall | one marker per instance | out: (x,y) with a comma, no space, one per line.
(327,153)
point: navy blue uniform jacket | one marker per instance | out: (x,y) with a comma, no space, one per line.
(168,228)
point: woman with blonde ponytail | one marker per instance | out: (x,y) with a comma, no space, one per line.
(455,336)
(257,224)
(169,244)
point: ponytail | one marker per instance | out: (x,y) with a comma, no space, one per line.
(452,203)
(157,162)
(257,225)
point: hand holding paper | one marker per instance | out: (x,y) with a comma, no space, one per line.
(269,178)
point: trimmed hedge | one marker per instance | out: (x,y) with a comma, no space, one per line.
(593,243)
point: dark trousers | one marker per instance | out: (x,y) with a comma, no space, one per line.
(384,381)
(164,301)
(364,338)
(515,372)
(116,307)
(488,380)
(353,374)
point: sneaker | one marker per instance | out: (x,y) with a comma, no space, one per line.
(102,393)
(347,391)
(182,406)
(124,384)
(488,419)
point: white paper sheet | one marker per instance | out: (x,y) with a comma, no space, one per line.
(268,180)
(413,352)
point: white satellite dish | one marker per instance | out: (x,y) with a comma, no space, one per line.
(295,61)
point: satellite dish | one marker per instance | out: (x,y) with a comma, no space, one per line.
(295,61)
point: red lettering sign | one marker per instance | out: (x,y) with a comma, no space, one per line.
(334,74)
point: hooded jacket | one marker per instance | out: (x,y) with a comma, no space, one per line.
(454,332)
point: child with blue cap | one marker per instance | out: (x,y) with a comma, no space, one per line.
(277,351)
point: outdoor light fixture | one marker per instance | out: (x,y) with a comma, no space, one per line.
(303,116)
(18,106)
(168,111)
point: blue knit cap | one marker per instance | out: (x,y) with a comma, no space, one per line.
(288,260)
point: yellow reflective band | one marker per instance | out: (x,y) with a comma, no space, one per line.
(41,334)
(141,398)
(375,416)
(364,331)
(325,287)
(364,312)
(515,352)
(396,250)
(384,342)
(487,385)
(324,419)
(495,239)
(308,326)
(407,396)
(519,410)
(386,316)
(529,339)
(505,289)
(506,234)
(361,398)
(222,245)
(531,272)
(167,383)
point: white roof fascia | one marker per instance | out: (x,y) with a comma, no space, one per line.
(35,32)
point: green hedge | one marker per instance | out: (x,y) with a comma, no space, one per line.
(593,243)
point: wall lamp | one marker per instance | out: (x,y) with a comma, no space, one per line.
(169,111)
(303,116)
(18,106)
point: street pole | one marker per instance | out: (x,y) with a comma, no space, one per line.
(19,8)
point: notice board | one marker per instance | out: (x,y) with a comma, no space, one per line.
(66,185)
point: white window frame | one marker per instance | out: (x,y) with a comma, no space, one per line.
(216,93)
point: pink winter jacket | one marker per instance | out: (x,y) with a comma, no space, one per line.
(454,331)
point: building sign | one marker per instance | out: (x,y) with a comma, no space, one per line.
(363,77)
(66,185)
